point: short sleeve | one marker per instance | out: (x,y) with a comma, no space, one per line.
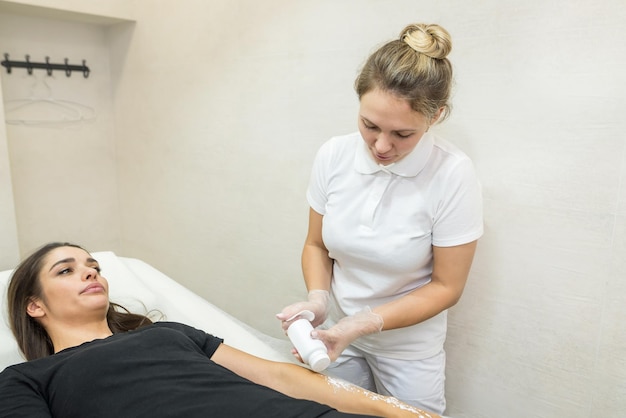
(318,183)
(19,397)
(459,216)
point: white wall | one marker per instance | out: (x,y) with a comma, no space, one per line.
(220,107)
(9,253)
(63,175)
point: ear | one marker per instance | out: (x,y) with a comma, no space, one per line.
(35,308)
(437,116)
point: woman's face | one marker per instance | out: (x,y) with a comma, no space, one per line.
(390,128)
(72,288)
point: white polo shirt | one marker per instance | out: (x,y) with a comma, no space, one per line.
(380,223)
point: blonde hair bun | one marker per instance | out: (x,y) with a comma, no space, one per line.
(430,40)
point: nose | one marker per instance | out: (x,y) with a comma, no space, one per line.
(383,144)
(90,273)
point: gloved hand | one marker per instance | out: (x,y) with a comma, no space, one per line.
(348,329)
(317,303)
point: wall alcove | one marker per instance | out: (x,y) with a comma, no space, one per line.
(58,135)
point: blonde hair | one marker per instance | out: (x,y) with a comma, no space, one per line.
(414,67)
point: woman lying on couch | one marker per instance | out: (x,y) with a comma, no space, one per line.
(90,357)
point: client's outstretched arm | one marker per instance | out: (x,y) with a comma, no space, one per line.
(299,382)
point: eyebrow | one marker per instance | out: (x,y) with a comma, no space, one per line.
(71,260)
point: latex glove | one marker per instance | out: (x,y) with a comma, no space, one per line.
(317,303)
(348,329)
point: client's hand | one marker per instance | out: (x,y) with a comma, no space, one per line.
(348,329)
(317,303)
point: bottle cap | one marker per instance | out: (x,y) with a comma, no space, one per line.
(306,314)
(319,360)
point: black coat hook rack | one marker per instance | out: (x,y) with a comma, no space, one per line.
(48,66)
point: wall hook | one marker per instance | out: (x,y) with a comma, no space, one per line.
(48,67)
(7,63)
(85,69)
(68,71)
(29,66)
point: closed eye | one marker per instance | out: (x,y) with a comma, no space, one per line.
(369,126)
(406,135)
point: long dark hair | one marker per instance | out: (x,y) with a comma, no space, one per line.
(32,338)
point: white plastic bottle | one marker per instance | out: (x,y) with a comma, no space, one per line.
(312,351)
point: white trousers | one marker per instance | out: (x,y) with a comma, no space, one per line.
(420,383)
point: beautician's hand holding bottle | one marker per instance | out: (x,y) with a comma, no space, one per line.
(348,329)
(317,303)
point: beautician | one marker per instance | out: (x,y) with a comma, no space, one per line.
(395,214)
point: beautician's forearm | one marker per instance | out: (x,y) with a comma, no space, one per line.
(451,266)
(416,307)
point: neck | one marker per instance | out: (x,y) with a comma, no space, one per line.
(66,335)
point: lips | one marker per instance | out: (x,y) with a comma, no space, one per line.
(380,157)
(93,288)
(384,160)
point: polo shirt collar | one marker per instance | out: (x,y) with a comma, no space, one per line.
(409,166)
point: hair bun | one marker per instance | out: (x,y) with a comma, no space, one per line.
(430,40)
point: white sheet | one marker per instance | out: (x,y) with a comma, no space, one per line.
(139,286)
